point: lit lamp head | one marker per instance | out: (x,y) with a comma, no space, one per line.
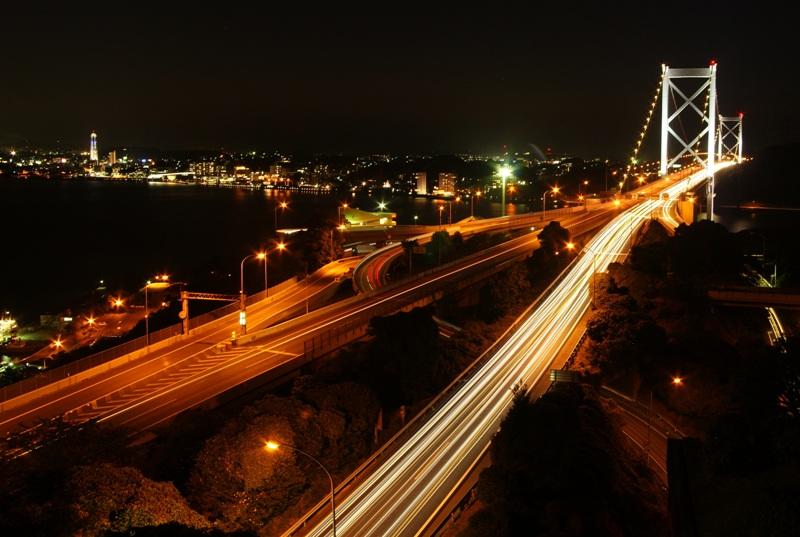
(381,205)
(271,446)
(677,381)
(570,246)
(281,246)
(261,256)
(284,205)
(504,172)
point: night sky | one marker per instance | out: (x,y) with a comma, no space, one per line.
(427,81)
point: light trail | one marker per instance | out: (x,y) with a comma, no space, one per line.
(403,494)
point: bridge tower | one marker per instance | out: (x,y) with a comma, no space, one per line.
(730,127)
(708,78)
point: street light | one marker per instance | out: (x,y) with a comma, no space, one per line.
(677,382)
(382,205)
(162,283)
(339,209)
(273,446)
(242,305)
(415,222)
(554,191)
(472,203)
(282,205)
(441,209)
(504,172)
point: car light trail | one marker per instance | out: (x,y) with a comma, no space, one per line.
(404,493)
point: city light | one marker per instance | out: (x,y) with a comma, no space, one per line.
(505,172)
(677,381)
(271,446)
(381,205)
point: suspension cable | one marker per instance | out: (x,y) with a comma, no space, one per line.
(635,153)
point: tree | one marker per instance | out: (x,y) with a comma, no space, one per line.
(439,249)
(405,362)
(553,238)
(104,497)
(559,467)
(504,292)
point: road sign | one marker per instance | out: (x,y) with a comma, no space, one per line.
(564,375)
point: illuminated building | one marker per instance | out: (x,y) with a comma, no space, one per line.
(421,178)
(447,184)
(93,147)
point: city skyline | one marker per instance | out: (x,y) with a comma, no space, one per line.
(439,83)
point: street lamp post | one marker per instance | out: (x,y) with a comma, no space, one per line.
(415,222)
(282,205)
(274,446)
(146,316)
(242,305)
(505,173)
(472,203)
(339,209)
(675,381)
(544,200)
(441,209)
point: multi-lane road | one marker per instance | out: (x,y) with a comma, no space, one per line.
(150,391)
(373,271)
(84,400)
(402,495)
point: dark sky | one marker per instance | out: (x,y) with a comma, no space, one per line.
(404,81)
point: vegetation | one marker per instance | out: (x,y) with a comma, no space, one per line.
(560,467)
(740,397)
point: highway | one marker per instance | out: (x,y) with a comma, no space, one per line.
(404,493)
(175,361)
(372,272)
(153,390)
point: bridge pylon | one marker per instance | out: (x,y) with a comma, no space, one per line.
(730,127)
(670,90)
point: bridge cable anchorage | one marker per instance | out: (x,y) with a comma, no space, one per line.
(638,145)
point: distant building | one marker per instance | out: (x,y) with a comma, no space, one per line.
(93,147)
(357,218)
(112,157)
(206,169)
(447,184)
(421,179)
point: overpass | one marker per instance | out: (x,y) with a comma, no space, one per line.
(766,297)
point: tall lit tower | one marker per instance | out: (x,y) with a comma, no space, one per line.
(93,148)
